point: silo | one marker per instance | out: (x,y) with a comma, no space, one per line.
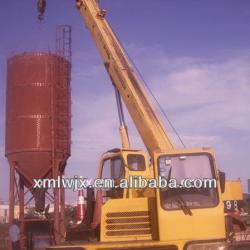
(37,113)
(37,143)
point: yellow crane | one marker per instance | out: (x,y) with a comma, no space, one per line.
(147,218)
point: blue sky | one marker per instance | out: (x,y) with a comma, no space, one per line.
(194,55)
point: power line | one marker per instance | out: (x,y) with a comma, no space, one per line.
(154,97)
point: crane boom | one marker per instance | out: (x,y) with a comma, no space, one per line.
(124,77)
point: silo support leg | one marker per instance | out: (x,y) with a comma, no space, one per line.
(11,196)
(62,201)
(56,209)
(21,213)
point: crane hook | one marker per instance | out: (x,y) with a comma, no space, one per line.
(41,6)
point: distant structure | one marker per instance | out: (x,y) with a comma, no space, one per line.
(4,212)
(38,127)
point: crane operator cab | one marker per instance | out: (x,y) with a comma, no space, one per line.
(122,172)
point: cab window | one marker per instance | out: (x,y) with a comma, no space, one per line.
(136,162)
(117,168)
(113,169)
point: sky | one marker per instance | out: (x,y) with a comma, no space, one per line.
(194,56)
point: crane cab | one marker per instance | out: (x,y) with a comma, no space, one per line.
(128,210)
(122,173)
(194,207)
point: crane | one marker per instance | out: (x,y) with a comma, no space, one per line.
(149,218)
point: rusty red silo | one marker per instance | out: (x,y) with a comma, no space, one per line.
(37,114)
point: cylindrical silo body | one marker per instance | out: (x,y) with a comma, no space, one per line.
(37,113)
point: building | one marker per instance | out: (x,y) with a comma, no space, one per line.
(246,198)
(4,212)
